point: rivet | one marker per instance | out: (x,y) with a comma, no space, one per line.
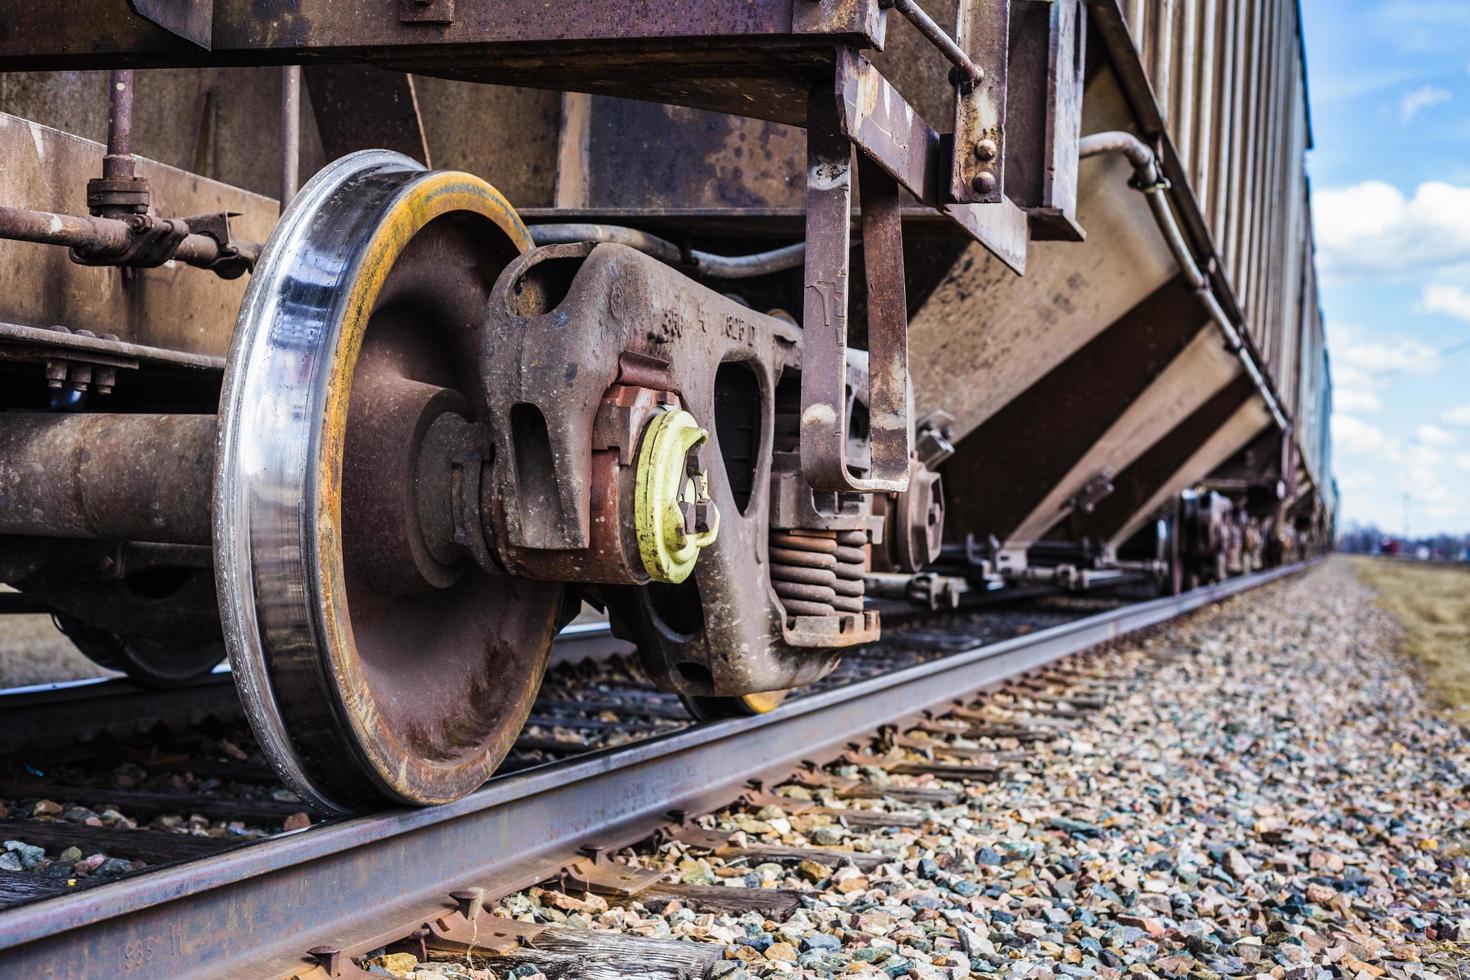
(986,149)
(984,183)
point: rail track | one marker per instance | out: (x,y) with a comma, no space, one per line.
(350,886)
(68,712)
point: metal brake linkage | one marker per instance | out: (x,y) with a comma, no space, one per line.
(972,73)
(689,260)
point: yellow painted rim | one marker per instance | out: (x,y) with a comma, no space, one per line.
(759,704)
(429,196)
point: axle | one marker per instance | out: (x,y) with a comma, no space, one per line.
(119,477)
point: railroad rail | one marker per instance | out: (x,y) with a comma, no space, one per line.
(350,886)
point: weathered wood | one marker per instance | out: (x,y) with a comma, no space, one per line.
(762,853)
(575,723)
(585,954)
(153,846)
(23,886)
(244,771)
(944,748)
(139,801)
(556,746)
(985,725)
(870,818)
(939,770)
(773,903)
(909,794)
(641,708)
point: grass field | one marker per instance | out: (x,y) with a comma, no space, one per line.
(1433,604)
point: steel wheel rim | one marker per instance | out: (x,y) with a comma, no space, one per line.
(278,490)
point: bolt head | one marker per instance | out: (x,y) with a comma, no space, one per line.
(986,149)
(984,183)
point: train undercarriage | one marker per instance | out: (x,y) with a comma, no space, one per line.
(763,346)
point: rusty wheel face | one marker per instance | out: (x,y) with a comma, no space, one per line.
(373,663)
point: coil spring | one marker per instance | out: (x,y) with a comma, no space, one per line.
(818,573)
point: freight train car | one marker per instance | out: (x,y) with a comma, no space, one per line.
(716,316)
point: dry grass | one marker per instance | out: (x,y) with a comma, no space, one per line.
(33,651)
(1433,605)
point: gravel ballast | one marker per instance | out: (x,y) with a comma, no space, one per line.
(1261,790)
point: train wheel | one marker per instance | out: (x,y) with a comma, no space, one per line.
(743,706)
(361,326)
(147,661)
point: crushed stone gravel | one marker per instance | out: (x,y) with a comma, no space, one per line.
(1262,790)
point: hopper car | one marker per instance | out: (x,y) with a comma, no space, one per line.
(364,342)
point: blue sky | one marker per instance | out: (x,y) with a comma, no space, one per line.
(1390,95)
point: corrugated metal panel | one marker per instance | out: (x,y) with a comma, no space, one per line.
(1229,78)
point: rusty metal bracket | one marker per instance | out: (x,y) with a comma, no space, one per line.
(1047,75)
(877,118)
(759,799)
(607,878)
(695,836)
(825,415)
(331,963)
(150,243)
(815,777)
(882,124)
(468,927)
(231,262)
(1093,491)
(977,171)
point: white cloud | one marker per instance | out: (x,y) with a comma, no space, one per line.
(1421,26)
(1352,435)
(1362,365)
(1450,300)
(1361,359)
(1372,229)
(1419,99)
(1367,80)
(1459,415)
(1385,479)
(1433,435)
(1362,400)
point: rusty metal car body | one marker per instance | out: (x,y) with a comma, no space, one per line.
(962,293)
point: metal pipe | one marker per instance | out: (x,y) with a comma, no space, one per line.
(1145,164)
(103,235)
(116,477)
(119,193)
(1148,179)
(290,133)
(118,164)
(25,225)
(936,35)
(691,260)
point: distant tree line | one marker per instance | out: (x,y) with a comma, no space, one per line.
(1367,539)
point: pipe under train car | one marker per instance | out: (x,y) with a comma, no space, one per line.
(733,322)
